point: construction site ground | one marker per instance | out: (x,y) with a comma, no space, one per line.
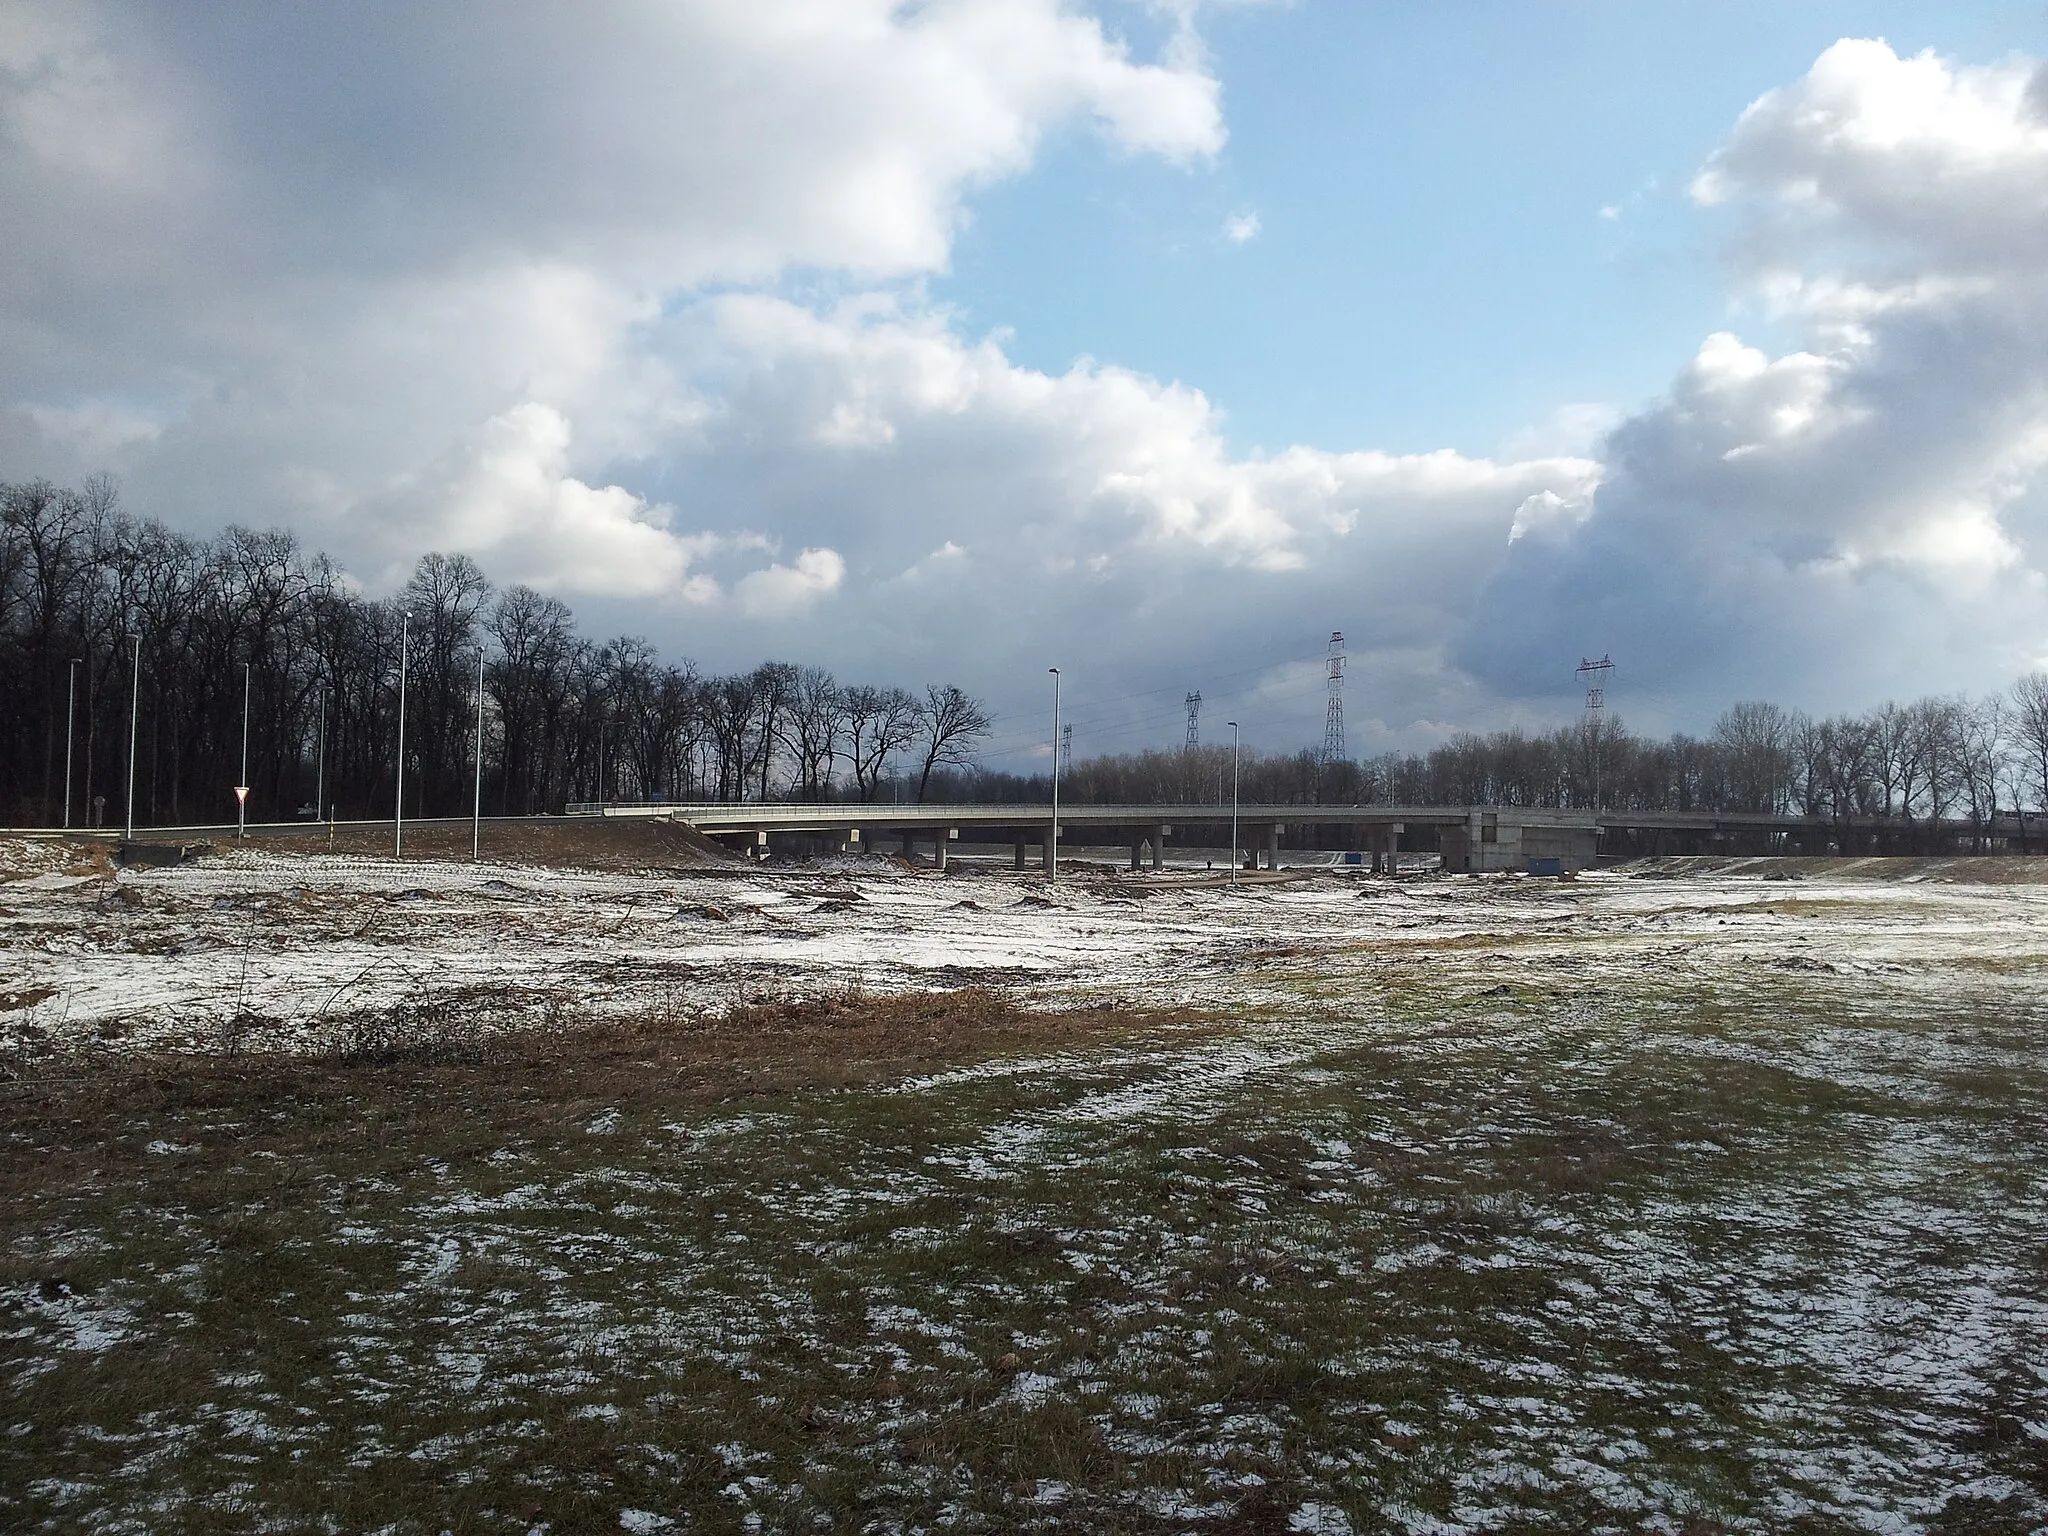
(553,1194)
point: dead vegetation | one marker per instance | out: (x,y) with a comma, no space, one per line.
(429,1072)
(591,842)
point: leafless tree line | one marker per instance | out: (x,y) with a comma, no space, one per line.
(1935,759)
(86,590)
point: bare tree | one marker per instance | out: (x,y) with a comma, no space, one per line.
(446,597)
(2029,726)
(813,724)
(949,722)
(1982,753)
(1755,743)
(880,722)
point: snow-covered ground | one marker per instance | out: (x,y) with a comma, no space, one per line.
(273,950)
(1706,1204)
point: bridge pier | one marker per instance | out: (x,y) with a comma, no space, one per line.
(1273,846)
(1045,850)
(1159,847)
(1386,847)
(1019,865)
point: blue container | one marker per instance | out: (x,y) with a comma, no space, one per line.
(1552,868)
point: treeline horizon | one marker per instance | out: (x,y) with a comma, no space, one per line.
(565,718)
(569,719)
(1935,759)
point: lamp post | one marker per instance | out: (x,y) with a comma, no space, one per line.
(398,802)
(476,809)
(134,711)
(320,771)
(70,722)
(242,784)
(1234,734)
(1052,868)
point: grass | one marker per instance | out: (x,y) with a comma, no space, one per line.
(1406,1254)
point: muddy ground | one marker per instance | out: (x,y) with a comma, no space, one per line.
(348,1195)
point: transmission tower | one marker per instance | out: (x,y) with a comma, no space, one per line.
(1194,702)
(1333,717)
(1066,750)
(1594,674)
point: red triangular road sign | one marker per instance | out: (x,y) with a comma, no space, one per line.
(241,793)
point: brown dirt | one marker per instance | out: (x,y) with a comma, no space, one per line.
(90,1116)
(556,842)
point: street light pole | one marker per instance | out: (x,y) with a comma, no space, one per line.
(1234,734)
(134,712)
(320,771)
(242,793)
(398,803)
(476,809)
(1052,869)
(70,722)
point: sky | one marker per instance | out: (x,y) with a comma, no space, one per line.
(1154,341)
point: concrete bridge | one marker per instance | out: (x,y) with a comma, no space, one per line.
(1467,837)
(1476,838)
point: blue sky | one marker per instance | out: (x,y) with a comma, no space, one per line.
(1432,268)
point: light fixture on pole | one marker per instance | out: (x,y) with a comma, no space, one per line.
(476,809)
(134,711)
(1052,864)
(70,721)
(242,786)
(398,801)
(1234,735)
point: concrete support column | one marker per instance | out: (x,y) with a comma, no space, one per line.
(909,848)
(940,848)
(1045,848)
(1159,847)
(1137,854)
(1020,852)
(1273,846)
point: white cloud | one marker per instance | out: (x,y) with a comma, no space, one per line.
(514,288)
(1863,513)
(348,264)
(1948,164)
(514,505)
(781,590)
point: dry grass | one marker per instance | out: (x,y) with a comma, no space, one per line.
(1762,1258)
(414,1080)
(584,842)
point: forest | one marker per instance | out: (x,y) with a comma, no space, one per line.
(101,611)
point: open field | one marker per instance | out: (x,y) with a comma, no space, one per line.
(343,1195)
